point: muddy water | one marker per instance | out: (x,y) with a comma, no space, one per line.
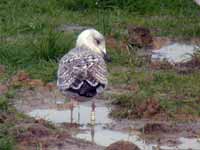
(102,132)
(81,114)
(174,53)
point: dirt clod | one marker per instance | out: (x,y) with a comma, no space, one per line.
(164,65)
(148,108)
(122,145)
(139,36)
(38,130)
(20,78)
(3,118)
(150,128)
(3,89)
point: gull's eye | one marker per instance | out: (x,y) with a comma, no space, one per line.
(98,41)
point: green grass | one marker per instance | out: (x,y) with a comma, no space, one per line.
(28,41)
(6,143)
(176,93)
(171,18)
(3,104)
(38,56)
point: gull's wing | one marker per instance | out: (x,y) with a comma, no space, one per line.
(77,68)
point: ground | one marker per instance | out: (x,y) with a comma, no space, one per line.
(34,35)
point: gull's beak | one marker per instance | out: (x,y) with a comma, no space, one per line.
(106,57)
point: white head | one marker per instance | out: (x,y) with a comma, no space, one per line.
(94,41)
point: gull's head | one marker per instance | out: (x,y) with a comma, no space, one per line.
(94,41)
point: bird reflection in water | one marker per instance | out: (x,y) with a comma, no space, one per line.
(61,105)
(93,119)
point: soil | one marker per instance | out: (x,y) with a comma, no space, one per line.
(139,36)
(167,133)
(122,145)
(148,109)
(34,134)
(155,130)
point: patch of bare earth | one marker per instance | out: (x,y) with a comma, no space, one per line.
(31,134)
(39,135)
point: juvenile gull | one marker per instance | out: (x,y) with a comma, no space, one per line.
(82,72)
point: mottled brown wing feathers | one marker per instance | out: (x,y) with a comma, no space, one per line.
(74,69)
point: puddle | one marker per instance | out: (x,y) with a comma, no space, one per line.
(174,53)
(100,133)
(105,137)
(62,115)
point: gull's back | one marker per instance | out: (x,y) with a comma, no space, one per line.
(82,72)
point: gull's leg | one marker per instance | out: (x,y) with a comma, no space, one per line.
(93,116)
(71,111)
(78,105)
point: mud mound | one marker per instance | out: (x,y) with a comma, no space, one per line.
(139,36)
(38,132)
(164,65)
(122,145)
(150,128)
(3,117)
(148,109)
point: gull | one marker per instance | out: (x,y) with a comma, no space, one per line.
(82,72)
